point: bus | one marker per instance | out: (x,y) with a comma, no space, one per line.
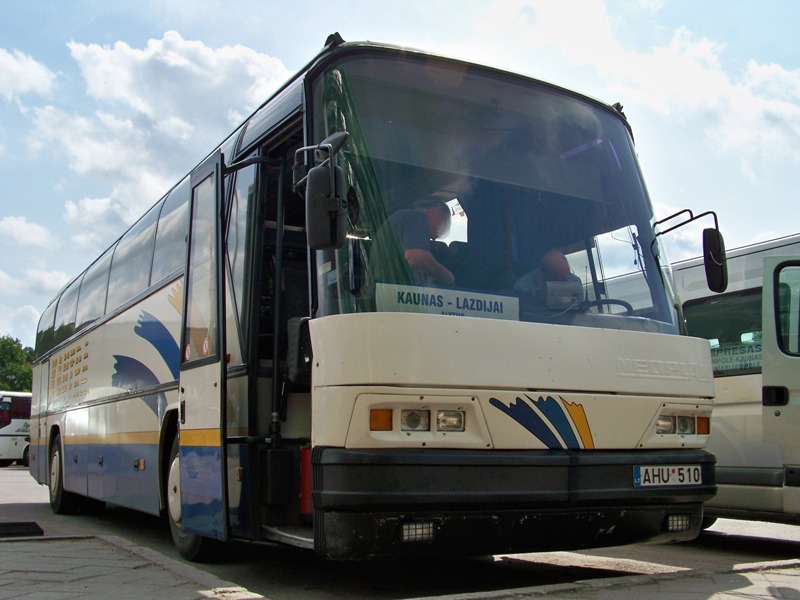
(15,427)
(255,359)
(753,334)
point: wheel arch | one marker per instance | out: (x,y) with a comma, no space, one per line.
(169,429)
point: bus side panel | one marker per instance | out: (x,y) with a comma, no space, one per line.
(123,453)
(38,456)
(74,438)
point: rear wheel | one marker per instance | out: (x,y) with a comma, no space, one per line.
(191,546)
(26,458)
(61,501)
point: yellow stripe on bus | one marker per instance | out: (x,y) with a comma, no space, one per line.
(129,437)
(200,437)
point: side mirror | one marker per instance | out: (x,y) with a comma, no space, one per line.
(326,208)
(326,193)
(714,260)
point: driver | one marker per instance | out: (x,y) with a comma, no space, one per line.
(552,267)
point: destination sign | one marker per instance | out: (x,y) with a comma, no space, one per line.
(392,297)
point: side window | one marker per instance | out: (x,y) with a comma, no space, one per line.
(92,298)
(201,292)
(732,325)
(20,408)
(241,201)
(65,313)
(787,299)
(173,224)
(130,267)
(45,334)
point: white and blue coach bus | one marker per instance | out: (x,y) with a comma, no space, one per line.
(15,426)
(249,360)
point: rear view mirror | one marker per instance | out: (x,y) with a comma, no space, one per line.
(326,208)
(326,194)
(714,260)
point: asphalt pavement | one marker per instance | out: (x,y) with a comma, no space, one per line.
(36,565)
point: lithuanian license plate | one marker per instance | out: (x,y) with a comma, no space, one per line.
(653,475)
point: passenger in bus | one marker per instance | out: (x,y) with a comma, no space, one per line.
(553,266)
(414,229)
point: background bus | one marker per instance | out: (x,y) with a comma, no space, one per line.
(15,427)
(752,330)
(267,367)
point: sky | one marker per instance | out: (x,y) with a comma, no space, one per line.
(104,106)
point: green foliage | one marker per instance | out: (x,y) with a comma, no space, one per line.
(16,373)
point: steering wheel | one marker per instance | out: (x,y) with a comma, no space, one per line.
(626,305)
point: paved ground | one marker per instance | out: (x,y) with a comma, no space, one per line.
(55,566)
(95,567)
(45,568)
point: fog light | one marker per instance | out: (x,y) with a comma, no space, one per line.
(415,420)
(449,420)
(665,424)
(677,523)
(686,425)
(419,531)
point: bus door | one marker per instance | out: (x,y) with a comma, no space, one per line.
(781,369)
(202,376)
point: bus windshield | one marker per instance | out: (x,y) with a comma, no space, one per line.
(549,220)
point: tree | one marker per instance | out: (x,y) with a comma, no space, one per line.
(16,373)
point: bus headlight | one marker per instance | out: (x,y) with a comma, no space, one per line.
(665,424)
(450,420)
(415,420)
(686,425)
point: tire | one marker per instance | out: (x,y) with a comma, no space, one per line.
(26,459)
(61,501)
(191,546)
(707,522)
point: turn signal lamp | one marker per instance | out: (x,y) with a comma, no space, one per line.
(703,425)
(380,419)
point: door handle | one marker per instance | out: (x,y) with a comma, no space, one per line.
(774,395)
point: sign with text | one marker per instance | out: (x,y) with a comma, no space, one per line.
(392,297)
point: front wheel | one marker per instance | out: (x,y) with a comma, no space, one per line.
(190,546)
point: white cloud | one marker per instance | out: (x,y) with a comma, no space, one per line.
(20,231)
(19,322)
(33,281)
(20,74)
(160,109)
(175,78)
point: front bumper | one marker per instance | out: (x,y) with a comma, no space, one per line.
(490,502)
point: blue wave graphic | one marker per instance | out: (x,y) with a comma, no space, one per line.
(155,332)
(130,374)
(555,414)
(523,413)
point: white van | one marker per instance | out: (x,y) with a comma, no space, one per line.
(753,329)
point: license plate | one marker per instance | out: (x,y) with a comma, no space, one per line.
(654,475)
